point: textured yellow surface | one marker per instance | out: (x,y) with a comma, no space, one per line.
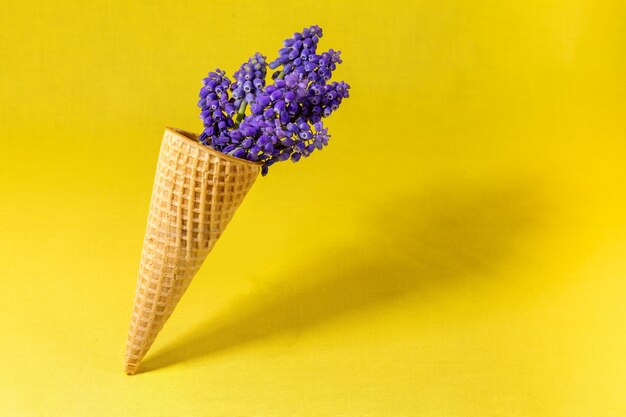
(457,250)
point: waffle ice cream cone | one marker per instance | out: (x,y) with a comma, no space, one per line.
(196,192)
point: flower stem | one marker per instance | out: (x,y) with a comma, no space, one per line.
(281,75)
(240,112)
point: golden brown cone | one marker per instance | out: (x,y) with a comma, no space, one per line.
(196,192)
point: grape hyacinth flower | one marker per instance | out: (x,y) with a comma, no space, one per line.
(297,50)
(249,82)
(322,100)
(285,117)
(319,68)
(217,110)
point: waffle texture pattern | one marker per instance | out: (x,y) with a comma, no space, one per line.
(196,192)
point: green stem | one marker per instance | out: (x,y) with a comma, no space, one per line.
(240,112)
(281,75)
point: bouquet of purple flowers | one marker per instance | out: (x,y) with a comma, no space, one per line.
(248,119)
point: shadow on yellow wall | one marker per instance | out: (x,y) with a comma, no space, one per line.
(412,244)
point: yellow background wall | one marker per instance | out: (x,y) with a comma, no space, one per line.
(457,250)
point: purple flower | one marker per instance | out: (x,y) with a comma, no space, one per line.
(250,78)
(323,100)
(297,49)
(216,109)
(319,68)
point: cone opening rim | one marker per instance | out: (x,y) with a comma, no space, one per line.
(192,139)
